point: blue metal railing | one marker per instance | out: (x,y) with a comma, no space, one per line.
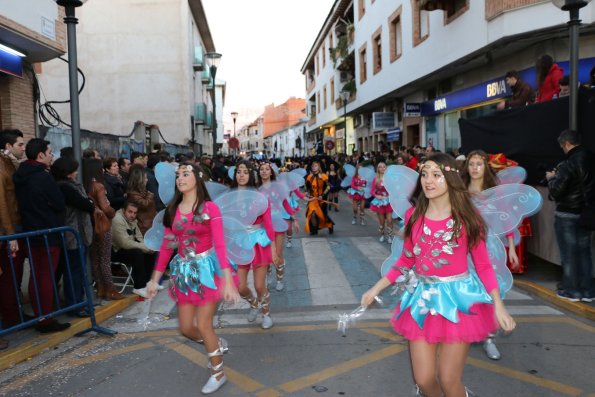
(33,242)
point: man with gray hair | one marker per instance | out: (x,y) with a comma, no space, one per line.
(572,186)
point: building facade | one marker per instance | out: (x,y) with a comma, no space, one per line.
(410,74)
(30,33)
(289,142)
(151,69)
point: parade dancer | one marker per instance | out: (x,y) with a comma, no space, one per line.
(193,227)
(266,174)
(265,253)
(316,213)
(381,206)
(479,176)
(356,193)
(335,183)
(295,206)
(444,307)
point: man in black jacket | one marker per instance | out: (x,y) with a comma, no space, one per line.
(572,186)
(41,206)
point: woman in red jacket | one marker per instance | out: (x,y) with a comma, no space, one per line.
(548,78)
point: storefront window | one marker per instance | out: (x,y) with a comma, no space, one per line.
(432,132)
(452,132)
(480,111)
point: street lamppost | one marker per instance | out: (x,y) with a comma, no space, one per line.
(344,97)
(71,21)
(234,116)
(573,7)
(213,59)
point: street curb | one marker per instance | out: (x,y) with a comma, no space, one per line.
(35,346)
(581,309)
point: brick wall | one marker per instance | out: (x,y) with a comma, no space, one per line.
(495,8)
(17,104)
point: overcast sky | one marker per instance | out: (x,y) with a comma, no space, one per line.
(264,44)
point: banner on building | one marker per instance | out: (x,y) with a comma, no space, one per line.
(383,120)
(393,135)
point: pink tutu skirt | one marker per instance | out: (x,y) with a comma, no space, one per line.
(209,295)
(474,327)
(263,256)
(356,197)
(382,209)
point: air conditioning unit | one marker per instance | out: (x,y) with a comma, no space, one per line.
(344,77)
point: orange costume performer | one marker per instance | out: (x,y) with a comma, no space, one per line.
(316,213)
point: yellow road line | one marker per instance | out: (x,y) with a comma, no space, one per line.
(347,366)
(527,378)
(269,393)
(384,334)
(555,319)
(242,381)
(111,353)
(67,362)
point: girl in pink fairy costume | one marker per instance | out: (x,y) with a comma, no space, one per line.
(356,193)
(266,174)
(262,237)
(443,307)
(201,275)
(479,176)
(380,204)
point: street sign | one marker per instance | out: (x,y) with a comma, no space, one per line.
(329,145)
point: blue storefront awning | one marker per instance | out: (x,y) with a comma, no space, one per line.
(11,64)
(493,89)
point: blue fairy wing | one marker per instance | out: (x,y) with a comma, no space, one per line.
(512,175)
(244,205)
(237,241)
(349,172)
(216,189)
(503,207)
(300,171)
(368,174)
(292,180)
(396,249)
(154,236)
(276,192)
(165,173)
(231,171)
(275,168)
(400,182)
(497,255)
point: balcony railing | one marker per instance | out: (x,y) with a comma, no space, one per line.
(198,61)
(200,112)
(205,76)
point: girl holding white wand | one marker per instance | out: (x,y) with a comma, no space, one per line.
(444,307)
(194,227)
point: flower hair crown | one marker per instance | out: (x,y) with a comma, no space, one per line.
(187,167)
(442,167)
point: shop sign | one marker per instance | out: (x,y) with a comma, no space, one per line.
(393,135)
(412,110)
(383,120)
(340,133)
(11,64)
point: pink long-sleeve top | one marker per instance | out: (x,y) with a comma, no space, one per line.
(379,189)
(196,235)
(451,260)
(287,207)
(299,194)
(358,183)
(267,222)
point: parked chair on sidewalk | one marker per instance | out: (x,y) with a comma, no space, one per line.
(122,275)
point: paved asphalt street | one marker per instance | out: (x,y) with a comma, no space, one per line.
(551,353)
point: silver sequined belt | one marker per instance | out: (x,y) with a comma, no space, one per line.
(254,228)
(438,279)
(202,255)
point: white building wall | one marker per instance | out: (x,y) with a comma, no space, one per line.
(38,15)
(136,68)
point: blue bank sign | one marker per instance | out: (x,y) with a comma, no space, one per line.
(393,135)
(11,64)
(487,91)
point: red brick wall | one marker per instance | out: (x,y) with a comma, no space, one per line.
(277,118)
(495,8)
(17,104)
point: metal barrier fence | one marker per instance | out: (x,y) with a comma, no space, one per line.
(44,248)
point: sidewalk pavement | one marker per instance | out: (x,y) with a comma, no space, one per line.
(540,280)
